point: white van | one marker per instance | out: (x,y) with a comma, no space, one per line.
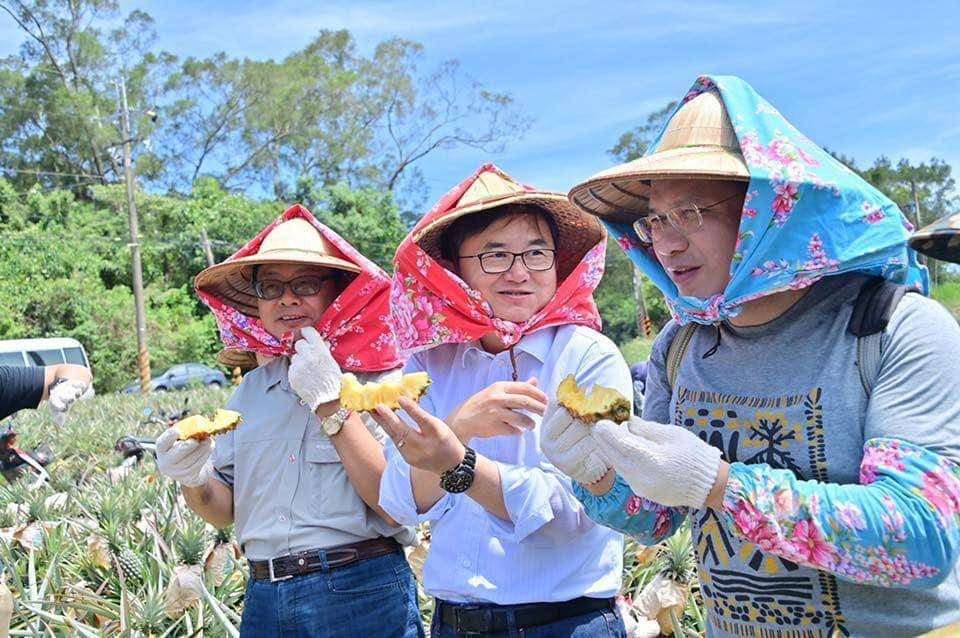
(43,352)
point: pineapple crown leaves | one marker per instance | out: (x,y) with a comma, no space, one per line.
(191,542)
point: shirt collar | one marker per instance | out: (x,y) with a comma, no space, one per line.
(536,344)
(276,373)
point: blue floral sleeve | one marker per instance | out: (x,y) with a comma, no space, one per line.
(900,527)
(622,510)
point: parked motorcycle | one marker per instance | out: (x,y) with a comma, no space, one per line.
(133,447)
(16,463)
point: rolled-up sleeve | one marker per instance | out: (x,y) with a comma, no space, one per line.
(539,502)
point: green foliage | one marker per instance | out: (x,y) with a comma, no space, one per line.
(616,297)
(366,217)
(948,294)
(636,350)
(326,113)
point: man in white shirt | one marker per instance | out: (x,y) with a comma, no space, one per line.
(501,276)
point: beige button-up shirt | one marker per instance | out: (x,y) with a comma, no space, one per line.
(290,490)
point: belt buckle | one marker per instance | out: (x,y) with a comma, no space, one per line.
(467,628)
(274,578)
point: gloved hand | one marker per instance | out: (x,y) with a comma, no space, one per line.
(314,374)
(567,444)
(187,462)
(62,398)
(666,464)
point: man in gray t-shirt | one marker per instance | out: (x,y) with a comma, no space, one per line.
(824,500)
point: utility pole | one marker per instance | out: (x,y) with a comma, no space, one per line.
(143,355)
(643,319)
(206,245)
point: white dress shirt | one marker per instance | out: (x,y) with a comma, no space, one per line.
(551,551)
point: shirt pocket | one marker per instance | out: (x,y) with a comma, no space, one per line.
(332,497)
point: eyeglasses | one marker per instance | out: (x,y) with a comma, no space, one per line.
(305,286)
(686,219)
(500,261)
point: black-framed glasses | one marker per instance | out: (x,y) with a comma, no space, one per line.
(305,286)
(496,262)
(686,219)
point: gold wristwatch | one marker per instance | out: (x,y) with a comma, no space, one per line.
(333,423)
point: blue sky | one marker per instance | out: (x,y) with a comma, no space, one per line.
(863,78)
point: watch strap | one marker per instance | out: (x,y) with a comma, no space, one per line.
(460,478)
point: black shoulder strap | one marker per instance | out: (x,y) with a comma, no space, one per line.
(875,303)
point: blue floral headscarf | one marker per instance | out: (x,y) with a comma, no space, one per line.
(805,216)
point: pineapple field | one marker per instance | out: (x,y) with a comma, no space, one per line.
(110,548)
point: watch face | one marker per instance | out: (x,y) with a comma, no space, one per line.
(458,480)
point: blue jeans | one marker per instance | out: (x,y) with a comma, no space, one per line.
(374,598)
(604,623)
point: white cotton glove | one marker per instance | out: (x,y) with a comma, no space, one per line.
(314,374)
(567,444)
(666,464)
(62,398)
(187,462)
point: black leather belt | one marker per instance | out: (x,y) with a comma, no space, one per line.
(316,560)
(491,619)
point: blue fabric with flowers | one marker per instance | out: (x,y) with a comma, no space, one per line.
(806,216)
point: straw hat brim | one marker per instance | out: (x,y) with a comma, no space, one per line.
(622,193)
(243,359)
(577,232)
(230,281)
(940,240)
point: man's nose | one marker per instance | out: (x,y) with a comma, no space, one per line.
(289,298)
(518,270)
(669,241)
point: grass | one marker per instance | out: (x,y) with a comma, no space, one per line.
(949,295)
(636,350)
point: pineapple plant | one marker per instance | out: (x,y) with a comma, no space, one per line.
(191,541)
(127,562)
(364,397)
(601,403)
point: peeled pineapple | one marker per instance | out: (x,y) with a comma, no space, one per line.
(200,427)
(603,403)
(364,397)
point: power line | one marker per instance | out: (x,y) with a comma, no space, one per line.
(27,171)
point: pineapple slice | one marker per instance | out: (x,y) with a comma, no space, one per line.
(200,427)
(364,397)
(603,403)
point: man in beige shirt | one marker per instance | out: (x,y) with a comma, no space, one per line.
(300,476)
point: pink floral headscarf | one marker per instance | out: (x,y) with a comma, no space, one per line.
(356,324)
(431,305)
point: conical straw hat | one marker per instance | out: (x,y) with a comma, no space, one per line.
(243,359)
(698,143)
(577,232)
(295,241)
(940,240)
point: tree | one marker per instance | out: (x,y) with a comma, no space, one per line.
(57,99)
(632,145)
(924,191)
(325,114)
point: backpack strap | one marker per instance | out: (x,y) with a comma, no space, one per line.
(874,306)
(677,350)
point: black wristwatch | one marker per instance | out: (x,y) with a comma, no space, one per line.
(55,383)
(460,478)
